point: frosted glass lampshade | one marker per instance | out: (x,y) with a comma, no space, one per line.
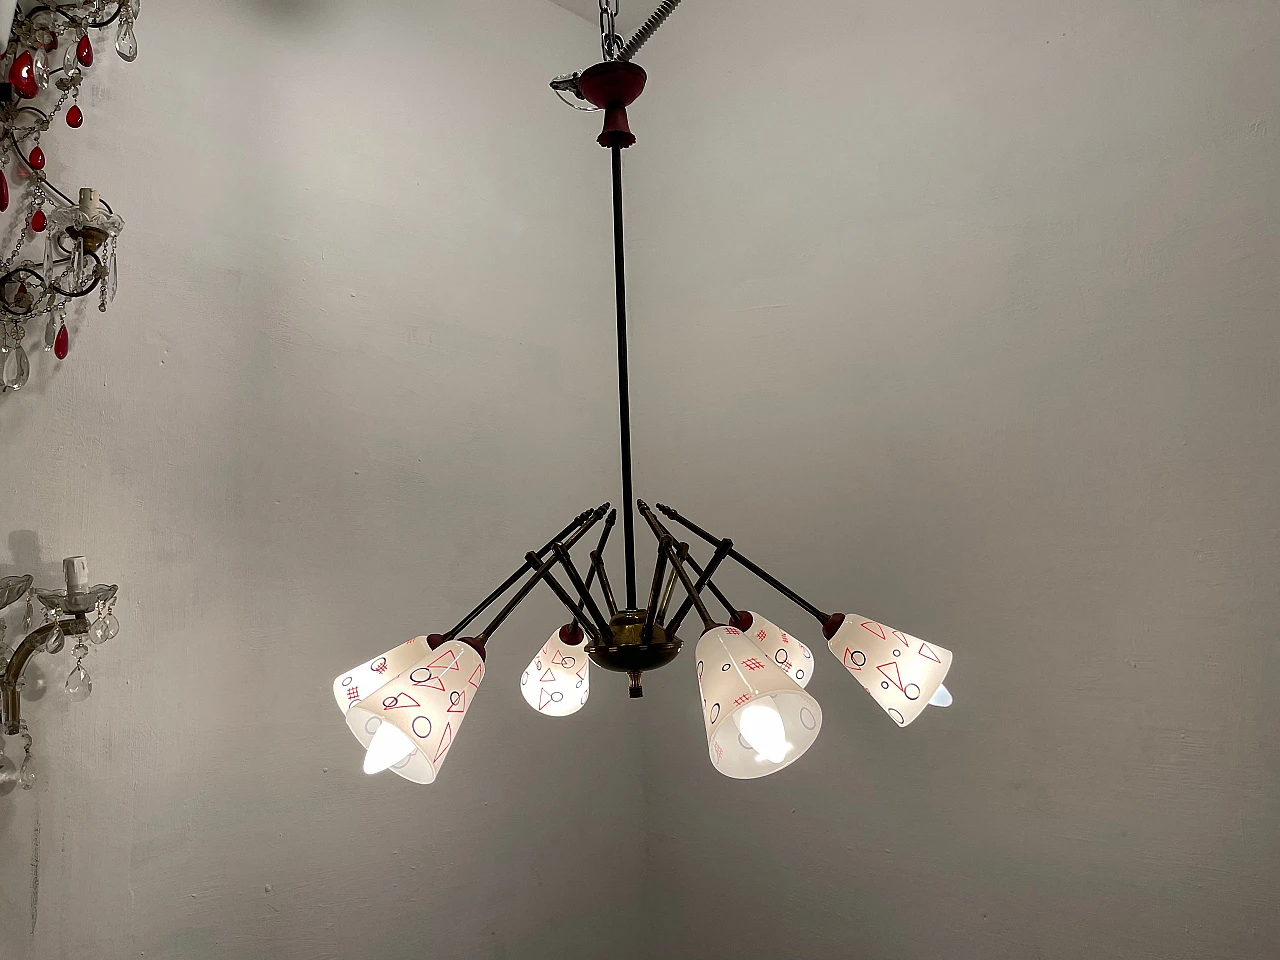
(358,682)
(427,703)
(795,659)
(758,720)
(557,681)
(900,671)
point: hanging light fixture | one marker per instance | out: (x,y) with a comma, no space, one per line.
(406,706)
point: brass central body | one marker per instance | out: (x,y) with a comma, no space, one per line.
(627,650)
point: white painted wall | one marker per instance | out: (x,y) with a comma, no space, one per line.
(348,381)
(972,315)
(972,309)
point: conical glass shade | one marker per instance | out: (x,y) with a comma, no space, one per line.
(795,659)
(758,720)
(358,682)
(427,703)
(557,681)
(900,671)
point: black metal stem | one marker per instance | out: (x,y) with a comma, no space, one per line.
(624,394)
(575,579)
(704,579)
(599,550)
(764,575)
(517,598)
(588,626)
(580,525)
(597,567)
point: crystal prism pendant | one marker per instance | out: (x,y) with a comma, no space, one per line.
(40,67)
(17,368)
(38,221)
(27,775)
(36,159)
(74,116)
(98,630)
(113,626)
(84,51)
(79,684)
(113,278)
(69,65)
(126,42)
(51,329)
(61,343)
(55,643)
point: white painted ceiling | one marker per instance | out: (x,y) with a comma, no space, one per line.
(630,15)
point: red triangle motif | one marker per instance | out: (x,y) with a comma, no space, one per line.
(460,705)
(543,697)
(582,674)
(434,683)
(547,676)
(928,652)
(895,677)
(399,700)
(477,672)
(903,638)
(446,740)
(447,660)
(848,660)
(872,627)
(558,658)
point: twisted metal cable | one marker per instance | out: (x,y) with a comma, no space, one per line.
(648,28)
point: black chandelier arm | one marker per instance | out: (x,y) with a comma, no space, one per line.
(539,572)
(588,626)
(659,572)
(763,574)
(704,580)
(580,525)
(667,544)
(584,594)
(96,24)
(624,391)
(591,572)
(597,567)
(667,593)
(704,577)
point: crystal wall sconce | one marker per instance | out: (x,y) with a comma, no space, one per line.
(66,614)
(49,49)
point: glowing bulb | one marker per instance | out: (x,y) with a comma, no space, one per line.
(761,726)
(387,748)
(941,697)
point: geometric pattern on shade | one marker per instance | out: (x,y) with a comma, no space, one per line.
(786,651)
(358,682)
(557,681)
(901,672)
(427,702)
(734,673)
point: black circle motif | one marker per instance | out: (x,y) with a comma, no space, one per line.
(418,733)
(781,656)
(453,697)
(897,653)
(346,682)
(807,719)
(715,712)
(417,680)
(372,724)
(896,716)
(858,658)
(912,691)
(700,669)
(557,697)
(884,684)
(724,668)
(567,662)
(799,673)
(524,679)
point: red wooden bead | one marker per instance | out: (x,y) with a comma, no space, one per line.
(37,221)
(37,159)
(74,116)
(84,51)
(61,343)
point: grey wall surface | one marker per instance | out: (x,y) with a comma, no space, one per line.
(963,318)
(349,379)
(972,311)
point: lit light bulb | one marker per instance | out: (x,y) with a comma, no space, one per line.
(761,726)
(387,748)
(941,697)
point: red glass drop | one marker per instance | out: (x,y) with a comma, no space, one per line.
(61,343)
(84,51)
(37,159)
(22,74)
(4,192)
(74,116)
(37,221)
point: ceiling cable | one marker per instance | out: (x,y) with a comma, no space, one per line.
(648,28)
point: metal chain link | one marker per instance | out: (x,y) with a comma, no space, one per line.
(610,43)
